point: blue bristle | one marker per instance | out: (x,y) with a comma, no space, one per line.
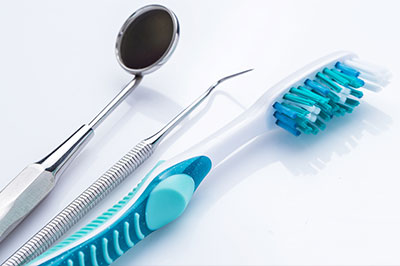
(292,113)
(290,122)
(347,70)
(317,87)
(284,110)
(292,130)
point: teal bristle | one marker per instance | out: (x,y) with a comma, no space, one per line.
(332,92)
(325,107)
(351,102)
(353,81)
(356,93)
(347,108)
(339,79)
(328,82)
(334,98)
(325,116)
(333,106)
(313,127)
(320,124)
(298,99)
(305,129)
(301,121)
(311,95)
(298,110)
(340,112)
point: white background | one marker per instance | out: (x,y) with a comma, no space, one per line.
(329,199)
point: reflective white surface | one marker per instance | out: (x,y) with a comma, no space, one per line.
(329,199)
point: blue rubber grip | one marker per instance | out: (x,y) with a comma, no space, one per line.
(164,200)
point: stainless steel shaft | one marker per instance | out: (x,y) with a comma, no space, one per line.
(68,217)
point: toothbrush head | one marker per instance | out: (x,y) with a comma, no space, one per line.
(332,87)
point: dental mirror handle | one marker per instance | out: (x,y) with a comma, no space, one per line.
(36,181)
(115,102)
(57,161)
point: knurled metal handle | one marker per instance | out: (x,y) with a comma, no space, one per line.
(68,217)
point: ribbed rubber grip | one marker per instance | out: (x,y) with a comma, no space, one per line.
(162,202)
(156,201)
(62,222)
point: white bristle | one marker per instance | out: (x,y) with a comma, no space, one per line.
(317,110)
(367,68)
(352,97)
(345,91)
(377,69)
(342,97)
(372,86)
(311,109)
(373,78)
(311,117)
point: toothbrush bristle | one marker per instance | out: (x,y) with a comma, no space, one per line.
(332,92)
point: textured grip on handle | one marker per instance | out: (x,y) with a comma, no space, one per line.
(158,199)
(162,203)
(61,223)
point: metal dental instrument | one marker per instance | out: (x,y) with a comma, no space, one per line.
(144,43)
(68,217)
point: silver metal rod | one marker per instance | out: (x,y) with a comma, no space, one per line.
(156,138)
(115,102)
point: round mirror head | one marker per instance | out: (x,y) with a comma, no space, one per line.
(147,39)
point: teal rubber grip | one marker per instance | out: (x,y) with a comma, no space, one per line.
(168,200)
(113,233)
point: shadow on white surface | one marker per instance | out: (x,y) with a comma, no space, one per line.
(145,100)
(305,155)
(142,101)
(187,123)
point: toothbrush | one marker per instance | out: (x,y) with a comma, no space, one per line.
(301,103)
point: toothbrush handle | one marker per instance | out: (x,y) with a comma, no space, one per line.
(68,217)
(155,202)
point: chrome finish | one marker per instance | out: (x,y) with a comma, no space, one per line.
(67,218)
(156,138)
(57,161)
(36,181)
(22,194)
(115,102)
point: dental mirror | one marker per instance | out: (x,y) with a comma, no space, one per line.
(144,43)
(147,39)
